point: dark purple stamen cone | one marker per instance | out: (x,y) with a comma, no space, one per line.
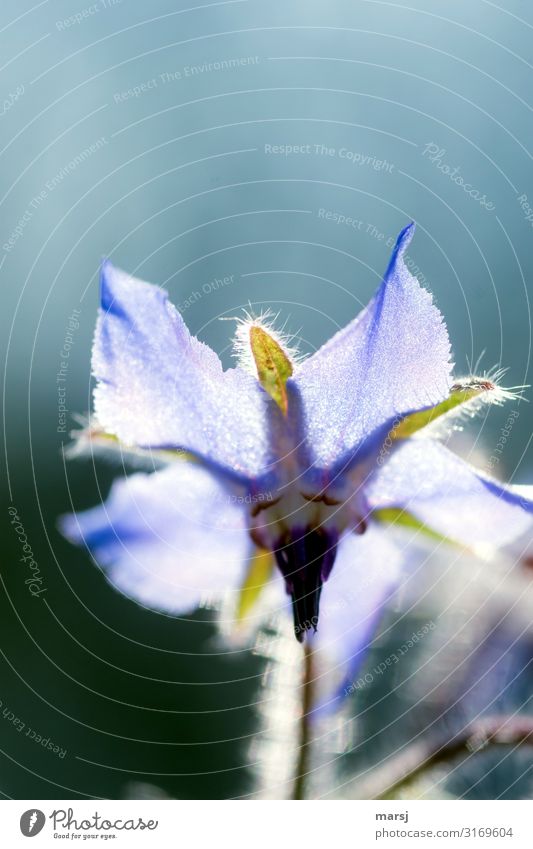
(305,561)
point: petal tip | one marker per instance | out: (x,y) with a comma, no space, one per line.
(120,291)
(400,247)
(405,237)
(107,272)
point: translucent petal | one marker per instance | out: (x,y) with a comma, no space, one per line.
(170,540)
(394,358)
(159,386)
(366,574)
(445,493)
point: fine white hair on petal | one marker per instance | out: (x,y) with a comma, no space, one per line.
(265,320)
(491,390)
(488,392)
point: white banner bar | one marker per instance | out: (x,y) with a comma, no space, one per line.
(256,825)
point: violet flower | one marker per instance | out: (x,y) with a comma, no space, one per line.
(298,463)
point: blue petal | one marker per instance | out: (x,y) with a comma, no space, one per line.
(365,576)
(426,479)
(170,540)
(392,359)
(159,386)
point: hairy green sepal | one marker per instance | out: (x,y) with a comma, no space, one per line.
(461,393)
(273,366)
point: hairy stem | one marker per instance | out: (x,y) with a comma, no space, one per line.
(304,750)
(420,758)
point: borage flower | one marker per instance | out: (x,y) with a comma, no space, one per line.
(292,469)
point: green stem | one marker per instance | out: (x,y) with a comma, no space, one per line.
(305,736)
(420,758)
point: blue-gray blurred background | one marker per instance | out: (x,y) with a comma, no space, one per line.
(201,146)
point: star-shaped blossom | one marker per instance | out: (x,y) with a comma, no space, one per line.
(285,472)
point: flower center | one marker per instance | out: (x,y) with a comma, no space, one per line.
(302,530)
